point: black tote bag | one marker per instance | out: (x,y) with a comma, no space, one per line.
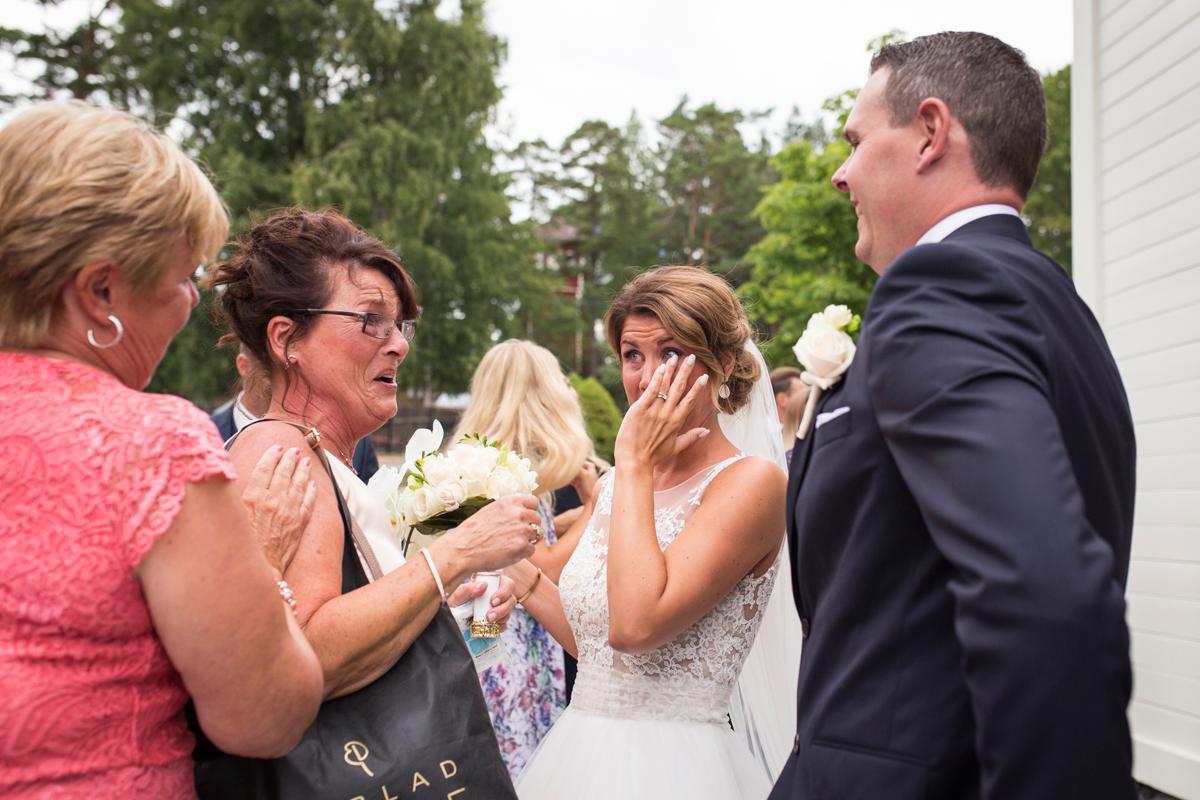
(421,730)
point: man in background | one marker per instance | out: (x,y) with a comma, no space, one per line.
(785,383)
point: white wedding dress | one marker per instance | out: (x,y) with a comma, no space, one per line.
(653,725)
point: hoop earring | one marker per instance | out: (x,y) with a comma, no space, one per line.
(723,392)
(116,323)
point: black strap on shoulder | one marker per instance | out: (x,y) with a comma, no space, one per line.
(352,572)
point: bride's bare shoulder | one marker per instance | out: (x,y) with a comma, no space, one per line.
(749,481)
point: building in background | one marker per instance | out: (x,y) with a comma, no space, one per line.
(1136,240)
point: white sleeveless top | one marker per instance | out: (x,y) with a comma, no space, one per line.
(689,678)
(371,515)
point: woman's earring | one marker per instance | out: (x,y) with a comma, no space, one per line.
(292,360)
(723,392)
(116,323)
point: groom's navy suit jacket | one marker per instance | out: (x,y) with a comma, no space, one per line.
(960,541)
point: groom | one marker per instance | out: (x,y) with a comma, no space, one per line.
(960,513)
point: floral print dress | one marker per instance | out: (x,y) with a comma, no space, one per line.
(526,692)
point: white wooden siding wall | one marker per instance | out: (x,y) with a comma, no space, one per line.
(1136,187)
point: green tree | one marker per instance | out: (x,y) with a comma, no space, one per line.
(806,259)
(600,180)
(709,180)
(600,414)
(72,62)
(799,127)
(405,155)
(687,200)
(1048,207)
(378,109)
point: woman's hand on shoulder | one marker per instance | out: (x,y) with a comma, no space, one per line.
(315,570)
(279,521)
(280,496)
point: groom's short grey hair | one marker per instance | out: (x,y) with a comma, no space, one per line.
(987,85)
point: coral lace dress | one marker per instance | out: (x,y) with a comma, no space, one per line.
(92,474)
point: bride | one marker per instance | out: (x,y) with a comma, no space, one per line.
(667,587)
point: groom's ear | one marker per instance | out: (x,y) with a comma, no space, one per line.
(933,123)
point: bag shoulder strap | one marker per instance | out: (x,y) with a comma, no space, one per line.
(350,526)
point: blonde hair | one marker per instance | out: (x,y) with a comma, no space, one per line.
(80,184)
(520,396)
(702,313)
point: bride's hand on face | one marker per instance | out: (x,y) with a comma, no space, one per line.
(650,432)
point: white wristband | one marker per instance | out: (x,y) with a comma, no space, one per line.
(437,578)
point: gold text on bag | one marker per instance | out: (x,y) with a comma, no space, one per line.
(447,768)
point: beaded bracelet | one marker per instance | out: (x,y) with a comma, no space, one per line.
(288,596)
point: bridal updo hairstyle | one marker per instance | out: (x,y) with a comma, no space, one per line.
(702,313)
(290,261)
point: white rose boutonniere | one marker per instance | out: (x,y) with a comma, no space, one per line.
(825,349)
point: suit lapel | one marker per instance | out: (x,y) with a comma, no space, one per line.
(801,455)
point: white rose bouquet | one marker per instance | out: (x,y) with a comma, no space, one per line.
(434,491)
(826,350)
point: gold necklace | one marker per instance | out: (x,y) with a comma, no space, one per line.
(347,461)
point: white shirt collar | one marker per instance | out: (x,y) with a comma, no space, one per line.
(241,416)
(956,220)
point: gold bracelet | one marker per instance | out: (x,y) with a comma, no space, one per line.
(532,586)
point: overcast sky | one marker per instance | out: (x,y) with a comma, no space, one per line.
(571,60)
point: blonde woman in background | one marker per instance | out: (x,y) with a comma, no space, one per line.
(520,396)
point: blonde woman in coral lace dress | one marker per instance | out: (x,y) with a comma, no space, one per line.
(130,578)
(663,596)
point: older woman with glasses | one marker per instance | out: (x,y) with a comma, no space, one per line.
(330,313)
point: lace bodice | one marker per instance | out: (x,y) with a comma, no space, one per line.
(690,677)
(92,474)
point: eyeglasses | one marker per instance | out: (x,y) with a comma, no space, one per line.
(377,326)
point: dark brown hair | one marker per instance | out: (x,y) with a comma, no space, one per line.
(782,377)
(987,85)
(285,263)
(702,313)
